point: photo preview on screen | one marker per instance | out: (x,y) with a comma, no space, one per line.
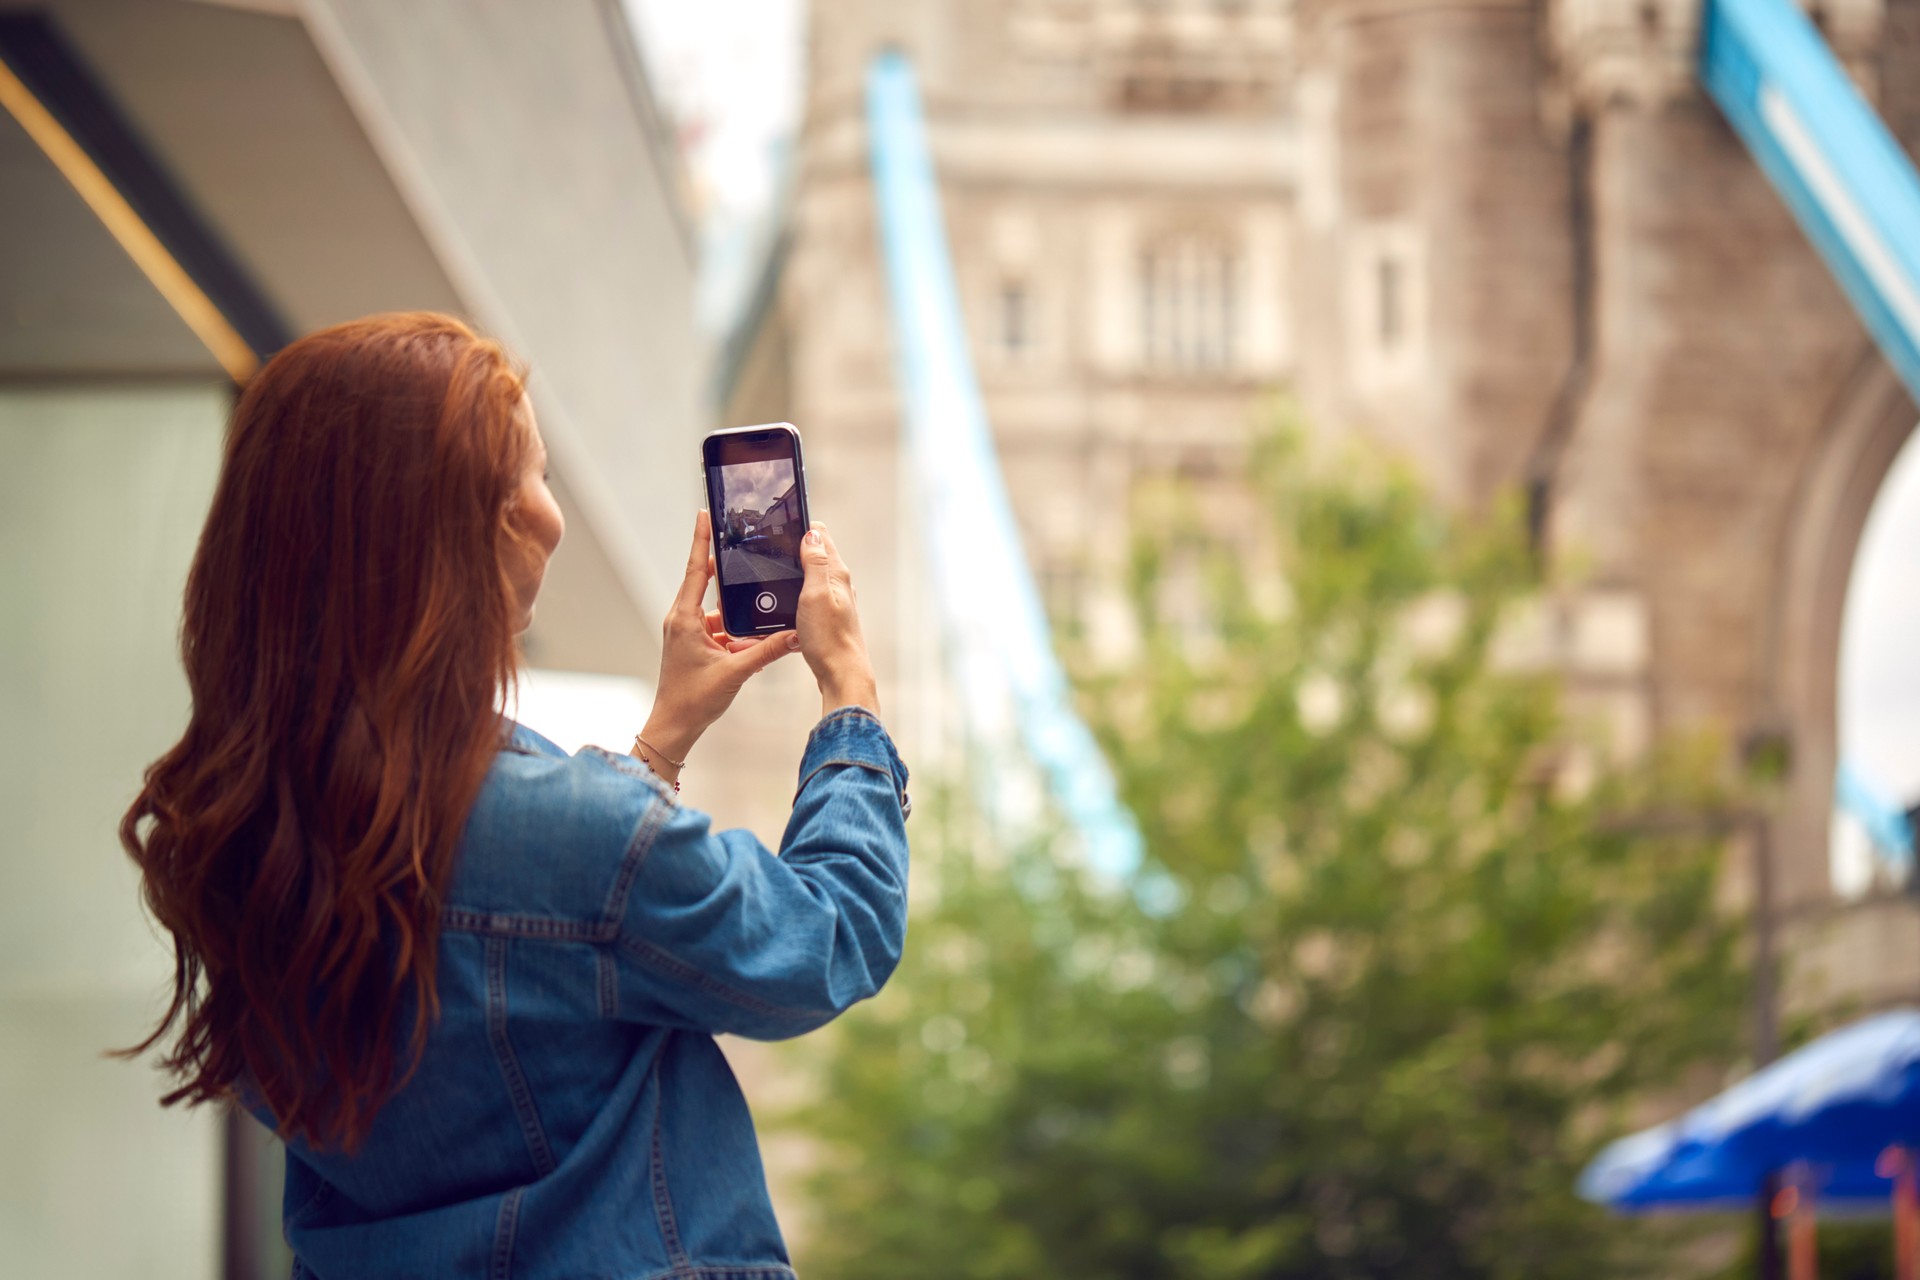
(760,524)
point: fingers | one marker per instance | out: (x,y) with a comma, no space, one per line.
(757,655)
(833,554)
(814,556)
(717,628)
(693,587)
(818,554)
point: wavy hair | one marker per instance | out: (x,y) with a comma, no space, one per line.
(347,637)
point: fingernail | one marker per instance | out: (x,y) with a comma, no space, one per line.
(793,640)
(813,537)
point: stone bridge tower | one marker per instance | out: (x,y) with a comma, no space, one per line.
(1547,264)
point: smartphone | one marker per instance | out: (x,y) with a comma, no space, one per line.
(757,501)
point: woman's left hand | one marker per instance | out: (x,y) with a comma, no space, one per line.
(702,668)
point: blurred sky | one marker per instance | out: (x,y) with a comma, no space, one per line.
(731,72)
(755,486)
(1880,641)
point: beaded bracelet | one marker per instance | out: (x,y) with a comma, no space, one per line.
(639,742)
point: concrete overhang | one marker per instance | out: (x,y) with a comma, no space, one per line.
(353,159)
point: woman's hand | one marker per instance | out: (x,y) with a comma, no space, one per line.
(829,627)
(701,666)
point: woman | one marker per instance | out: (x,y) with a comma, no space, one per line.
(472,981)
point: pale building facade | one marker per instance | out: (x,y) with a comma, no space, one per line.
(1117,184)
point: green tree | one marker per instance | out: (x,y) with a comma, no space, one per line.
(1388,983)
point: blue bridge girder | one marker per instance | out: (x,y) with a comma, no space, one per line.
(997,639)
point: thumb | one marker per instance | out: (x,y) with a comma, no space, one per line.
(814,559)
(764,652)
(693,586)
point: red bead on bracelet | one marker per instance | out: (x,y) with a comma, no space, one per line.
(639,742)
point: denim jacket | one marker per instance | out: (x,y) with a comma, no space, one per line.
(571,1115)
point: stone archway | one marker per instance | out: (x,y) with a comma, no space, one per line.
(1877,957)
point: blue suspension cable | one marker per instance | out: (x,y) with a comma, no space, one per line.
(998,639)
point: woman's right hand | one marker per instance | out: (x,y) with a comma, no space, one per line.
(828,623)
(701,666)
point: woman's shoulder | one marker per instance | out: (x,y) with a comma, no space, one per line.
(548,829)
(531,770)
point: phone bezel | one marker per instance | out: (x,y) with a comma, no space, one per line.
(745,628)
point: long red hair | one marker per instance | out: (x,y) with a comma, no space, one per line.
(348,638)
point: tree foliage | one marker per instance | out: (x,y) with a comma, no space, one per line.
(1396,979)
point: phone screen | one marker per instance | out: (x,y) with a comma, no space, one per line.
(757,498)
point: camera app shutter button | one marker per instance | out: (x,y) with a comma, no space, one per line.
(765,602)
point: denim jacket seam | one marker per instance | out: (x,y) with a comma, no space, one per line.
(831,761)
(607,982)
(506,1226)
(702,981)
(517,925)
(657,1172)
(519,1091)
(639,845)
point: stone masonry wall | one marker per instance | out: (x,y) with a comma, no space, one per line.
(1429,173)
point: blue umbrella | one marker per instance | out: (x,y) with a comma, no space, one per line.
(1832,1108)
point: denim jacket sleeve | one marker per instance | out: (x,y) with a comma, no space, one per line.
(717,932)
